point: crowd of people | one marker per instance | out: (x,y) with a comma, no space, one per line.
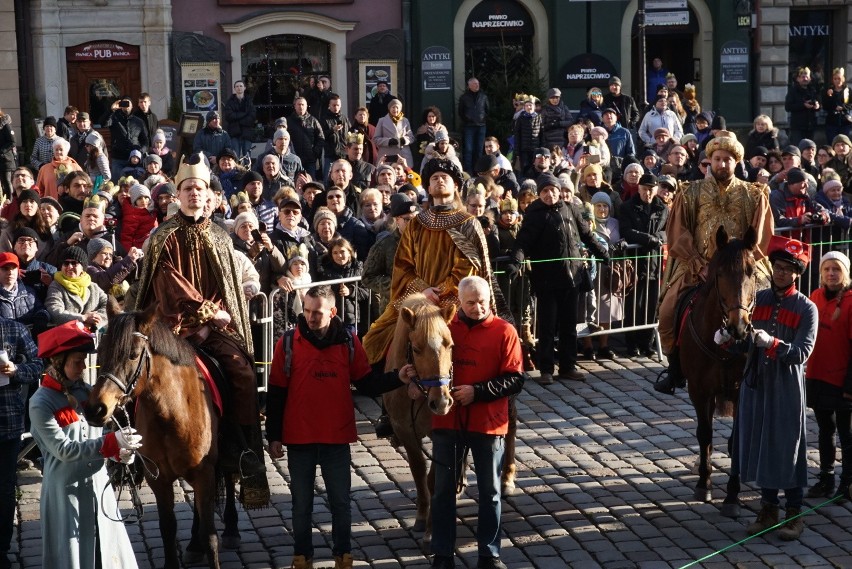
(409,210)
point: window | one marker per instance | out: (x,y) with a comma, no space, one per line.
(810,44)
(277,68)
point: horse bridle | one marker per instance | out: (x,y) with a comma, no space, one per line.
(725,310)
(425,383)
(144,360)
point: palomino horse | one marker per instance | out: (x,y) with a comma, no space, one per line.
(725,300)
(141,359)
(423,338)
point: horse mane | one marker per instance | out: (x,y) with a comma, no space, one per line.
(161,340)
(429,323)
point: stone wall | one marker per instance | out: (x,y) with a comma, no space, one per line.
(10,97)
(773,66)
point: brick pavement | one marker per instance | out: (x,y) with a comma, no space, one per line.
(604,480)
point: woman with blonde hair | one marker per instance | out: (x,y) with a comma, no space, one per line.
(763,134)
(51,174)
(828,385)
(837,102)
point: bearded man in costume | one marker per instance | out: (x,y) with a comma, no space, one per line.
(190,274)
(438,248)
(698,210)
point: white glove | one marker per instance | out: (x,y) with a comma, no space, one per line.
(722,336)
(762,339)
(128,439)
(126,456)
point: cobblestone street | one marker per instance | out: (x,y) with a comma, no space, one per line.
(604,480)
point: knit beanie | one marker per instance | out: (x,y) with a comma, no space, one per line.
(324,213)
(137,191)
(97,245)
(75,253)
(245,217)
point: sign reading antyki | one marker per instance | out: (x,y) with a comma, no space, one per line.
(436,67)
(810,31)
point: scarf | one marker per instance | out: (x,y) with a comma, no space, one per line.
(299,294)
(397,118)
(78,286)
(9,294)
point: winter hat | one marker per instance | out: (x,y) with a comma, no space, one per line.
(279,134)
(211,115)
(792,151)
(75,253)
(324,213)
(686,138)
(137,191)
(31,195)
(648,180)
(553,92)
(245,217)
(436,165)
(633,166)
(759,151)
(719,123)
(280,122)
(228,153)
(136,154)
(660,131)
(601,197)
(401,204)
(297,259)
(835,256)
(806,143)
(24,232)
(50,201)
(600,131)
(591,169)
(795,175)
(614,80)
(97,245)
(649,152)
(153,158)
(546,180)
(832,183)
(841,138)
(49,121)
(442,136)
(706,116)
(486,163)
(159,136)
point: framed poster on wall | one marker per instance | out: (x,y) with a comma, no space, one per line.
(201,86)
(370,72)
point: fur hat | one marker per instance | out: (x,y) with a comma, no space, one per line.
(324,213)
(436,165)
(97,245)
(728,143)
(137,191)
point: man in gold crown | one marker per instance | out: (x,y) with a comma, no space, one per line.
(362,172)
(698,210)
(189,273)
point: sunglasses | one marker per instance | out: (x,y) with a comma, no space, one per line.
(334,197)
(290,211)
(70,263)
(705,164)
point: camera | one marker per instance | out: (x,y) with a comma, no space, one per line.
(111,223)
(124,104)
(815,217)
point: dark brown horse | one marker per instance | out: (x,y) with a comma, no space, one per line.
(140,359)
(725,300)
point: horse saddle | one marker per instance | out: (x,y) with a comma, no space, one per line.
(213,375)
(682,309)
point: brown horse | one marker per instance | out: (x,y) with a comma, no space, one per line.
(725,300)
(141,359)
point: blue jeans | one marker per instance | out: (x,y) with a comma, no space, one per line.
(448,451)
(115,167)
(241,145)
(334,462)
(474,141)
(8,477)
(792,495)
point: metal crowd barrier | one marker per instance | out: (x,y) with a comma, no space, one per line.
(822,239)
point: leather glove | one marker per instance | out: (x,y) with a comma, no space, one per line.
(653,242)
(393,142)
(511,271)
(722,336)
(762,339)
(128,439)
(402,141)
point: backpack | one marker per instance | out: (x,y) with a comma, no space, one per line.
(288,348)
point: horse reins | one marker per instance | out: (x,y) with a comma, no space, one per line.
(425,383)
(725,310)
(726,358)
(144,360)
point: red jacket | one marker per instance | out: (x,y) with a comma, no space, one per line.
(136,225)
(481,353)
(833,348)
(319,406)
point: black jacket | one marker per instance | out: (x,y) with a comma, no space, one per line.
(801,118)
(239,117)
(473,108)
(128,133)
(645,226)
(335,139)
(378,108)
(306,137)
(554,232)
(346,305)
(7,144)
(148,119)
(628,112)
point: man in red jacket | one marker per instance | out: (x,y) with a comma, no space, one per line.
(310,409)
(487,369)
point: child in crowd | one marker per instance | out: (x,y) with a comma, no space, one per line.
(339,263)
(137,220)
(134,166)
(153,170)
(105,272)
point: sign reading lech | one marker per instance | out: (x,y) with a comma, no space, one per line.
(101,51)
(505,17)
(733,62)
(436,67)
(586,70)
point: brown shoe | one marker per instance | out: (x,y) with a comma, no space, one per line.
(302,562)
(545,379)
(343,561)
(793,526)
(767,518)
(572,375)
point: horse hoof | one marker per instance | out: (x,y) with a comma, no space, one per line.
(192,557)
(703,494)
(231,541)
(419,526)
(509,488)
(427,537)
(730,510)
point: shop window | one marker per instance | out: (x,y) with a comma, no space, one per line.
(810,43)
(278,68)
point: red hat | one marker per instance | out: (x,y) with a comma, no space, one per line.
(9,259)
(790,250)
(69,337)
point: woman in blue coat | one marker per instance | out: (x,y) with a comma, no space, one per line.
(770,425)
(81,525)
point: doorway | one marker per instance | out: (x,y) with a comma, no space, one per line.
(674,45)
